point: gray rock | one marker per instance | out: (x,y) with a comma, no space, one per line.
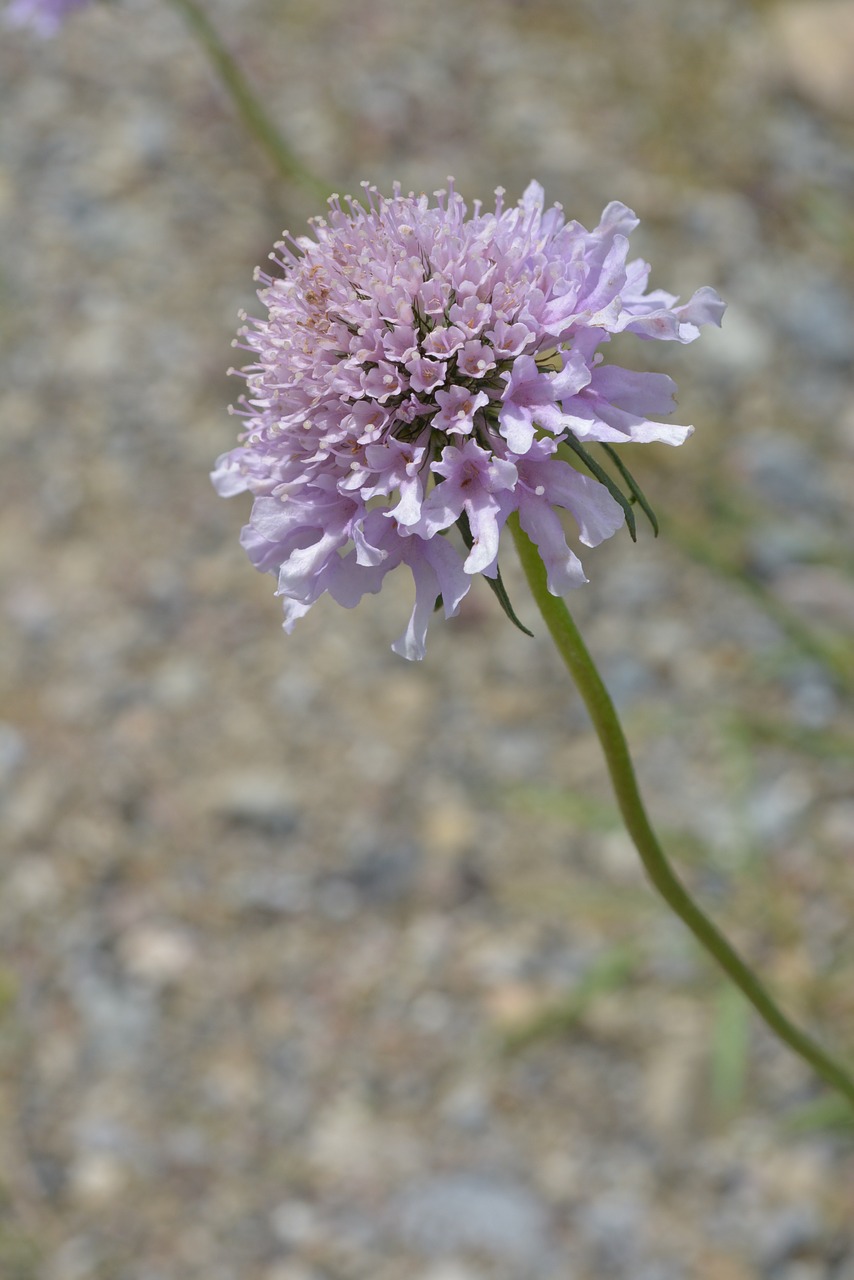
(385,875)
(75,1259)
(259,801)
(813,700)
(776,805)
(614,1225)
(785,1234)
(13,751)
(269,891)
(498,1217)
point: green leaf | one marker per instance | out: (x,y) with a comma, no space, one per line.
(828,1112)
(496,585)
(634,488)
(609,972)
(602,476)
(730,1050)
(575,807)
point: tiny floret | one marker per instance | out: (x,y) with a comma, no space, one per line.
(419,369)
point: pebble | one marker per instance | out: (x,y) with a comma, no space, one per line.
(385,875)
(263,802)
(97,1179)
(75,1259)
(295,1223)
(156,953)
(776,806)
(813,701)
(615,1226)
(466,1106)
(33,883)
(270,891)
(291,1270)
(785,1233)
(450,1271)
(13,752)
(119,1020)
(468,1211)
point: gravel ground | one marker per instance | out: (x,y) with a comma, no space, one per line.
(322,966)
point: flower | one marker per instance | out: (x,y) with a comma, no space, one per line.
(44,16)
(418,368)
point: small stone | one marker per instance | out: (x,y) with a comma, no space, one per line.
(178,683)
(775,806)
(449,828)
(337,900)
(785,1234)
(466,1107)
(13,751)
(836,823)
(157,954)
(802,1271)
(495,1216)
(97,1178)
(385,875)
(263,802)
(29,806)
(450,1270)
(813,700)
(431,1011)
(73,1260)
(270,891)
(32,882)
(820,594)
(290,1270)
(345,1141)
(513,1004)
(614,1225)
(294,1223)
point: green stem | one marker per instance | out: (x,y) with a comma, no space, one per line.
(246,103)
(609,730)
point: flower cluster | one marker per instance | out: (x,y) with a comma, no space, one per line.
(44,16)
(420,369)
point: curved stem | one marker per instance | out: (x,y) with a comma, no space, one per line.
(248,107)
(609,730)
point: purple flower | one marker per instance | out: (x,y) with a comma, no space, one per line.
(43,16)
(419,369)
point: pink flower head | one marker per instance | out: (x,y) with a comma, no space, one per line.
(43,16)
(420,368)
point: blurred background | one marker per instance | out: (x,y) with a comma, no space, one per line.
(317,965)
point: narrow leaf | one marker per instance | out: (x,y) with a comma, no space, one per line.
(611,972)
(634,488)
(602,476)
(496,585)
(730,1050)
(827,1112)
(498,589)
